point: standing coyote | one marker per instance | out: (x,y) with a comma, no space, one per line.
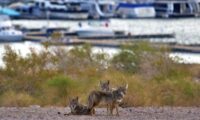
(112,98)
(78,109)
(105,87)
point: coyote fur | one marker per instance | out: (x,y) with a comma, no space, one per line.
(78,109)
(105,87)
(112,98)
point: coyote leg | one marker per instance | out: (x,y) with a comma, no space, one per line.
(108,111)
(117,110)
(93,111)
(111,109)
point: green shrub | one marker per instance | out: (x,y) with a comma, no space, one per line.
(61,83)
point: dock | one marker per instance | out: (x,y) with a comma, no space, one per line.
(34,35)
(112,43)
(144,36)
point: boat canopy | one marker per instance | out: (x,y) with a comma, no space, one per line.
(174,1)
(9,12)
(134,5)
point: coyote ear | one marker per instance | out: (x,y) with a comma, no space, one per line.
(76,98)
(108,82)
(126,86)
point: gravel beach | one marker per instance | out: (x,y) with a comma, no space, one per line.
(140,113)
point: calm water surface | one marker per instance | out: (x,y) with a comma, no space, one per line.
(187,30)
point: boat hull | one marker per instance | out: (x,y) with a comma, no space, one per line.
(175,15)
(68,15)
(128,10)
(11,38)
(40,13)
(95,34)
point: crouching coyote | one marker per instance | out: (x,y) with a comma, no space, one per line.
(77,108)
(111,98)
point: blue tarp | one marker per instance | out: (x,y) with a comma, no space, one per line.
(9,12)
(133,5)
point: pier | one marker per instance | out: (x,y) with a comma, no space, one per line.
(67,41)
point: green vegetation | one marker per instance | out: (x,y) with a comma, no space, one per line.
(51,77)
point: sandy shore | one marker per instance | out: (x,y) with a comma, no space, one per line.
(148,113)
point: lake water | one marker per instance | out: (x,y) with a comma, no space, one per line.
(187,31)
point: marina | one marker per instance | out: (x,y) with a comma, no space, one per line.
(83,22)
(104,9)
(187,34)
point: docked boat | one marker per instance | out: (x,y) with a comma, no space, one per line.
(94,31)
(135,10)
(59,10)
(9,12)
(7,31)
(67,9)
(46,9)
(101,8)
(197,2)
(177,8)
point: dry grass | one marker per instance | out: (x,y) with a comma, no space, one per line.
(11,98)
(51,78)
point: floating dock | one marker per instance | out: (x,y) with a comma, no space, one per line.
(112,43)
(145,36)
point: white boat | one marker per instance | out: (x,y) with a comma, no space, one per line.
(102,9)
(89,31)
(99,8)
(135,10)
(7,31)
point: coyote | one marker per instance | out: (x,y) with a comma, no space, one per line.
(79,109)
(105,86)
(112,98)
